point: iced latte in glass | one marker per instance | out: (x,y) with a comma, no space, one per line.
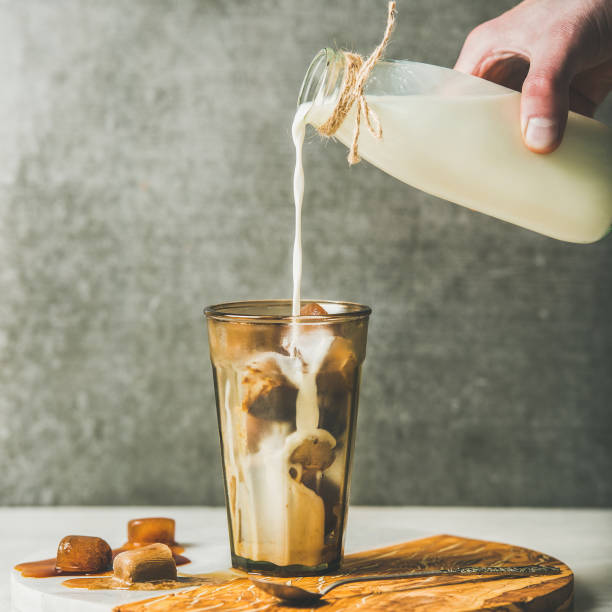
(286,391)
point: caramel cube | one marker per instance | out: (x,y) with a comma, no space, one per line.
(151,530)
(267,394)
(85,554)
(145,564)
(312,310)
(336,380)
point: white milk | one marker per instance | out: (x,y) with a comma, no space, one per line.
(298,130)
(468,149)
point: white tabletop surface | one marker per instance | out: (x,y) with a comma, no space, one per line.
(581,538)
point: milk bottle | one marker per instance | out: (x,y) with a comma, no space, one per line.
(458,137)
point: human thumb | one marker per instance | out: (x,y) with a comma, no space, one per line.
(544,106)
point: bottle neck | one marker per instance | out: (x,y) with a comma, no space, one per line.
(323,79)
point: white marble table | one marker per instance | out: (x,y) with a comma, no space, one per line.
(581,538)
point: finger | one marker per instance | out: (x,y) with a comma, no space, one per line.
(544,105)
(475,48)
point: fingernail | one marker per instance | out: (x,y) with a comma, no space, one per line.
(541,133)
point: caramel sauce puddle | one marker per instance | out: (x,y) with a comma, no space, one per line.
(100,582)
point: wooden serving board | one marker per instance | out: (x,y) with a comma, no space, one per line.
(440,593)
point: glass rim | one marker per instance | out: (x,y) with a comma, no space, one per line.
(227,311)
(317,75)
(319,71)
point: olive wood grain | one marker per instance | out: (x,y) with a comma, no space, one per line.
(434,594)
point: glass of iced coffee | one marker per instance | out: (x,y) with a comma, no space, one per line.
(287,390)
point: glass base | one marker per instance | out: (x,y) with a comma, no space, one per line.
(271,569)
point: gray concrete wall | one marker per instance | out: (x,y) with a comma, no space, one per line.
(145,171)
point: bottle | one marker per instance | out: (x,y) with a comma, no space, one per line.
(458,137)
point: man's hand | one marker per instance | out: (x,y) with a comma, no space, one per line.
(557,52)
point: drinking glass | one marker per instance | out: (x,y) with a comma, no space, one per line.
(286,391)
